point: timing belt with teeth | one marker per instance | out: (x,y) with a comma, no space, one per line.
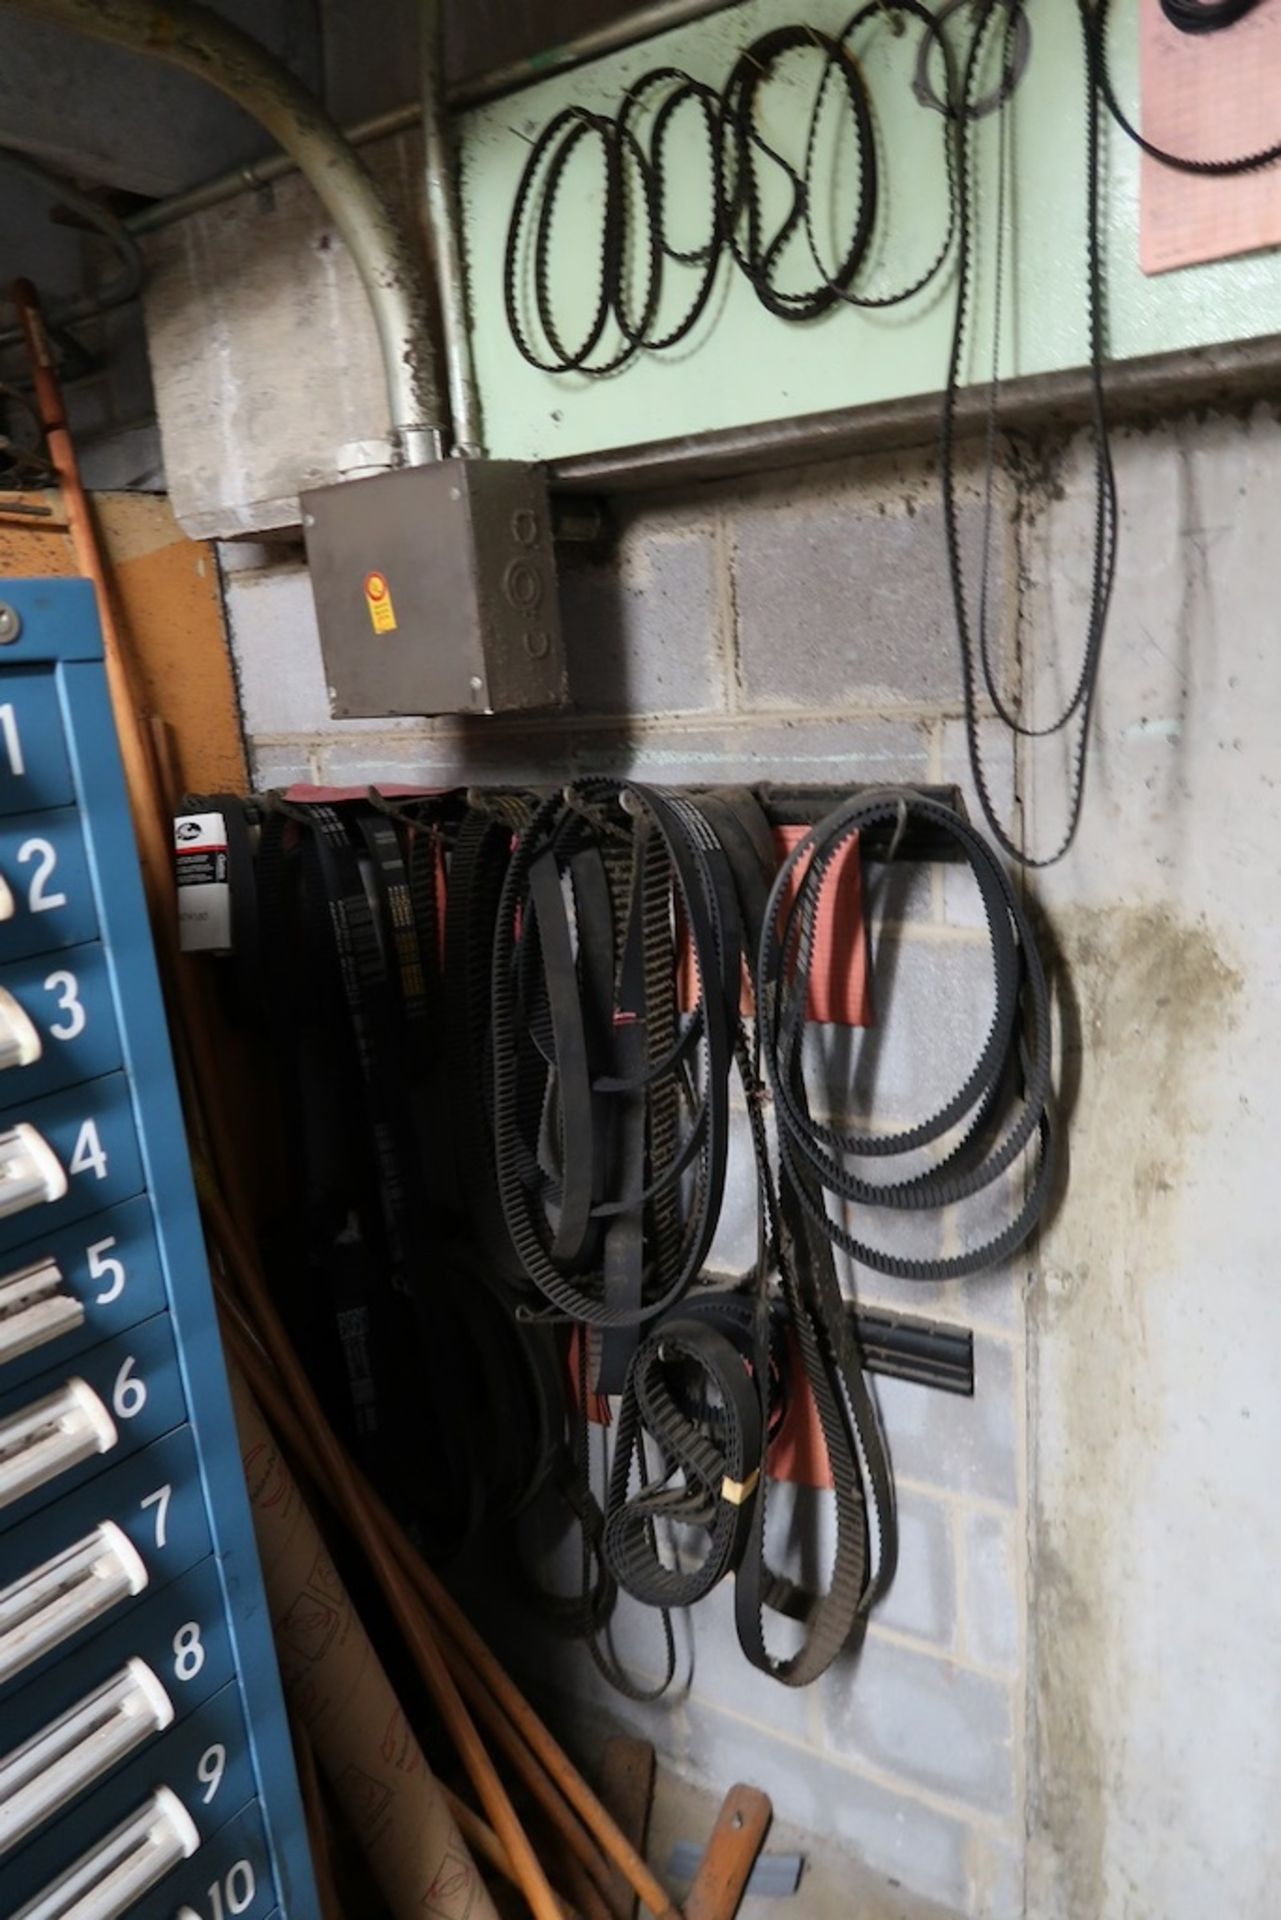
(981,1132)
(585,1100)
(609,1177)
(459,1412)
(712,1460)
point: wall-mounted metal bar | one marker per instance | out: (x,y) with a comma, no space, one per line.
(1139,391)
(803,806)
(929,1352)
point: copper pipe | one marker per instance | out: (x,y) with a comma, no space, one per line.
(521,1716)
(162,750)
(527,1765)
(140,770)
(303,1412)
(151,816)
(369,1517)
(533,1751)
(301,1446)
(485,1844)
(507,1735)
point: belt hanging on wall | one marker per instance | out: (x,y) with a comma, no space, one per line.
(740,219)
(505,1029)
(795,278)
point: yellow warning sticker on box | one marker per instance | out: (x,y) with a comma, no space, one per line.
(378,599)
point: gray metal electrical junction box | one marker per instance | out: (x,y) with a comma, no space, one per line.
(435,590)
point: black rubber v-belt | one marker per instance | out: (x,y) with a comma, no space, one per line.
(313,901)
(712,1454)
(478,864)
(867,1541)
(516,1376)
(537,1009)
(469,1362)
(866,1546)
(478,861)
(974,1145)
(1076,710)
(705,1478)
(718,1470)
(588,1045)
(717,856)
(447,1328)
(605,1141)
(713,1450)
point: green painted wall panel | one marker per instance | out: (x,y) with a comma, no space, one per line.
(745,365)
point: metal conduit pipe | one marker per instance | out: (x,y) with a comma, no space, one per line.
(122,286)
(442,232)
(193,37)
(642,24)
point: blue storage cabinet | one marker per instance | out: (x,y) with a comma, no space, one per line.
(145,1762)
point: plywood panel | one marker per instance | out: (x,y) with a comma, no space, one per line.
(172,607)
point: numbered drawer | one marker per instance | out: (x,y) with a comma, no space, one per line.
(87,1561)
(34,769)
(228,1879)
(57,1022)
(203,1762)
(65,1156)
(46,900)
(66,1291)
(67,1730)
(119,1867)
(64,1426)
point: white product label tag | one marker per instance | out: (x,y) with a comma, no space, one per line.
(204,896)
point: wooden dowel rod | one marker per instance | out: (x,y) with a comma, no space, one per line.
(298,1442)
(417,1634)
(485,1844)
(361,1502)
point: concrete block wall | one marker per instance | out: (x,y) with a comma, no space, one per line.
(1067,1709)
(1156,1609)
(794,630)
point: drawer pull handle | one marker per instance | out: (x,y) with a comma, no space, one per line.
(46,1772)
(50,1436)
(75,1588)
(34,1309)
(30,1171)
(19,1041)
(105,1882)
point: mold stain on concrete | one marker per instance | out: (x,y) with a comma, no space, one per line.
(1143,998)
